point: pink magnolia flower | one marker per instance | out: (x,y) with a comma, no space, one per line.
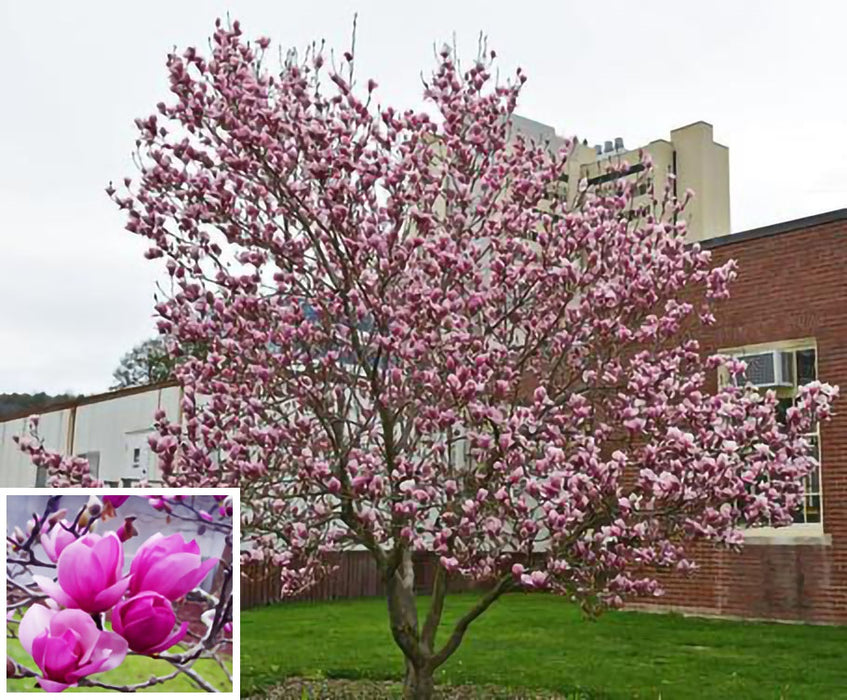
(66,645)
(159,503)
(115,501)
(146,621)
(169,566)
(89,574)
(55,541)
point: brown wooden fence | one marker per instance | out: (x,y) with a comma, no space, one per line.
(355,576)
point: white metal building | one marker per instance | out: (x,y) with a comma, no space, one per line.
(110,430)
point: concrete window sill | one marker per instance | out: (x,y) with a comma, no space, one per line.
(788,536)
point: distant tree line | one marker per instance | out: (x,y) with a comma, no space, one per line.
(147,363)
(150,363)
(10,404)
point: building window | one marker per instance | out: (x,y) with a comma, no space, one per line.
(136,458)
(41,477)
(784,368)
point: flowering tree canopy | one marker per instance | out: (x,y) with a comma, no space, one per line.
(422,338)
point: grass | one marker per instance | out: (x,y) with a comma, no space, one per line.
(134,669)
(538,642)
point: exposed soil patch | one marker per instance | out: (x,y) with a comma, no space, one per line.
(304,689)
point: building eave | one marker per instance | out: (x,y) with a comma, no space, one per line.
(86,400)
(784,227)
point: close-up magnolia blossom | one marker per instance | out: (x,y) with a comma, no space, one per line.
(90,574)
(146,621)
(65,626)
(67,645)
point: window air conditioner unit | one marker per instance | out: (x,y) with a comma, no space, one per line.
(769,369)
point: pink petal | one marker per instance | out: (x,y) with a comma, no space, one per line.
(39,651)
(164,575)
(80,574)
(55,591)
(144,633)
(80,623)
(144,552)
(193,578)
(36,621)
(53,686)
(47,546)
(109,597)
(138,607)
(110,553)
(175,638)
(176,544)
(56,654)
(109,653)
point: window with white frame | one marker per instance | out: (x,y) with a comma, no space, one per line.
(784,367)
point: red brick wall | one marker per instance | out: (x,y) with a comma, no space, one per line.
(790,285)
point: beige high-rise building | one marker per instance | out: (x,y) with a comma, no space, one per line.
(691,154)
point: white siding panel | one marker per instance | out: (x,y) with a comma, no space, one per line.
(16,469)
(113,427)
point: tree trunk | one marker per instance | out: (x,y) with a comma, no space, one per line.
(403,615)
(419,683)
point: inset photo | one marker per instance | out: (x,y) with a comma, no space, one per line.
(121,590)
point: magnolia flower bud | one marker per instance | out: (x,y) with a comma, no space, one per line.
(94,506)
(58,516)
(83,519)
(127,530)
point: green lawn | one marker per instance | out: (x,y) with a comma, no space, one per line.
(540,642)
(134,669)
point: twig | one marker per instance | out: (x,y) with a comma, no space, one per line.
(196,677)
(153,680)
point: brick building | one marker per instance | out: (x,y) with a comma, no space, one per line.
(791,298)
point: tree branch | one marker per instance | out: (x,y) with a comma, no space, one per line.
(503,585)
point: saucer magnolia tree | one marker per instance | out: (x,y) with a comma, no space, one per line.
(419,342)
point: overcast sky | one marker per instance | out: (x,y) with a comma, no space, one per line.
(75,291)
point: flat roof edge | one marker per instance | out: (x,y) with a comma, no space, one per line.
(776,229)
(86,400)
